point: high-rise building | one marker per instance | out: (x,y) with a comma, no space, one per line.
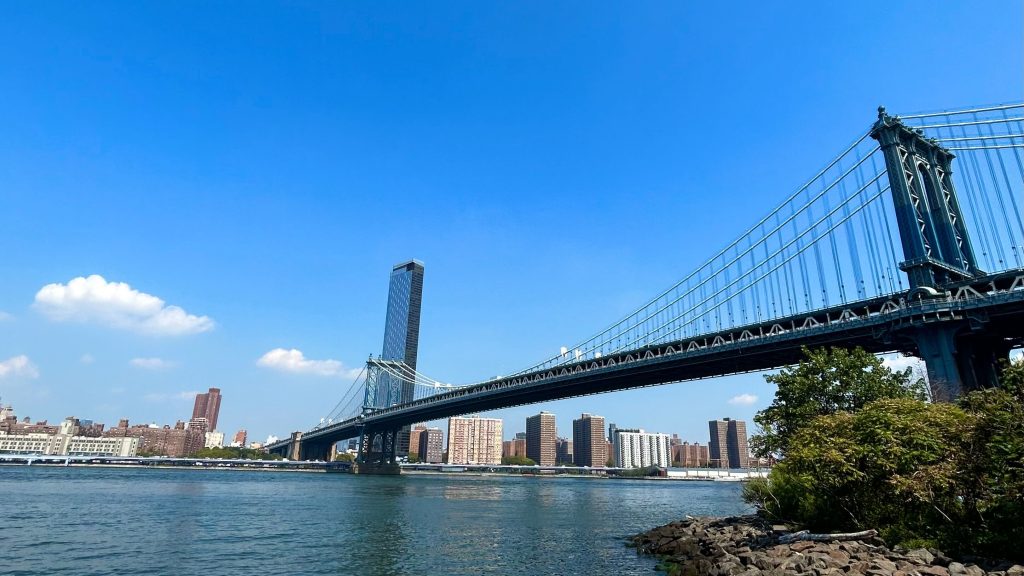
(563,451)
(728,446)
(431,445)
(474,440)
(402,332)
(588,443)
(739,451)
(208,406)
(638,449)
(718,445)
(414,441)
(240,438)
(540,439)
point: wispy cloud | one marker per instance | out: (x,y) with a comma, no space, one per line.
(295,361)
(116,304)
(743,400)
(5,316)
(86,359)
(164,397)
(900,363)
(18,366)
(152,363)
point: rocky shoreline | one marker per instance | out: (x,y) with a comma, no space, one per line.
(749,546)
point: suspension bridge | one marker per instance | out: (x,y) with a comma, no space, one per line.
(911,240)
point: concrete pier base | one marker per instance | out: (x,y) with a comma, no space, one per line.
(376,469)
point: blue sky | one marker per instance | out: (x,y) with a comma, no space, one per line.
(261,168)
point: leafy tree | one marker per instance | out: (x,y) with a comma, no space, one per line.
(828,381)
(517,461)
(344,457)
(992,464)
(949,475)
(235,453)
(413,458)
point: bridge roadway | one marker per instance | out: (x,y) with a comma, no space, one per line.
(879,325)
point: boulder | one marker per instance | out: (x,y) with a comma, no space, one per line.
(921,554)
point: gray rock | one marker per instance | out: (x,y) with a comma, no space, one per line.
(957,568)
(933,570)
(973,570)
(921,554)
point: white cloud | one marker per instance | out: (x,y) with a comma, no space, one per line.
(116,304)
(86,359)
(900,363)
(18,366)
(6,317)
(294,361)
(163,397)
(152,363)
(743,399)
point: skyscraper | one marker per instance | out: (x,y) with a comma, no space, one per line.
(474,440)
(588,443)
(402,330)
(728,446)
(540,438)
(208,406)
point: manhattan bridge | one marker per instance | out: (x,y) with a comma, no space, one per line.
(910,240)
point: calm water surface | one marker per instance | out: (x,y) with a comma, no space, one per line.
(114,521)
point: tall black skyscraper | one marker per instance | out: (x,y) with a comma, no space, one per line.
(402,328)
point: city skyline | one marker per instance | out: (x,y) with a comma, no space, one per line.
(183,217)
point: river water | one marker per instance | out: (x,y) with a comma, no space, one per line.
(173,522)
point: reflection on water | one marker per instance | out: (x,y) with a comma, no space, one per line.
(104,521)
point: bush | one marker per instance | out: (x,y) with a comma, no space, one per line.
(828,381)
(947,475)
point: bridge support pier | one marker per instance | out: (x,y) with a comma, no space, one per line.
(377,452)
(959,361)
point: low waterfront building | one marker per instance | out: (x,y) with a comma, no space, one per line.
(166,441)
(67,445)
(690,455)
(214,439)
(634,448)
(563,451)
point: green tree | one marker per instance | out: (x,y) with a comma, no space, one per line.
(827,381)
(517,461)
(992,464)
(413,458)
(344,457)
(950,475)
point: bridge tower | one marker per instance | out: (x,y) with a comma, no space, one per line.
(938,253)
